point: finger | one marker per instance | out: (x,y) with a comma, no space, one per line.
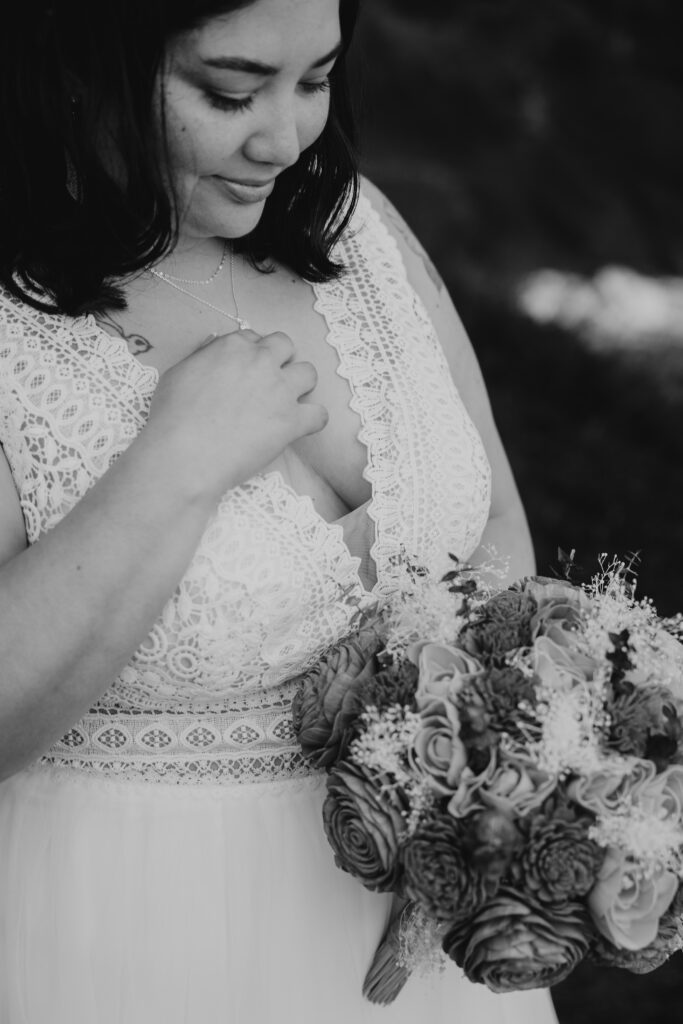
(312,417)
(280,345)
(247,335)
(302,376)
(207,341)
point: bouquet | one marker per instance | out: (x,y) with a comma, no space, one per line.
(510,764)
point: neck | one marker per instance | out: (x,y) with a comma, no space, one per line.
(195,257)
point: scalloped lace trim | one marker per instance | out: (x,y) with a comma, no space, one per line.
(279,772)
(387,345)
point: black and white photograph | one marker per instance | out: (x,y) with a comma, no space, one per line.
(341,532)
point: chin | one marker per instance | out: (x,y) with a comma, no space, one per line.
(235,222)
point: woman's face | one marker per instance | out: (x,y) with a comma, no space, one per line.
(245,94)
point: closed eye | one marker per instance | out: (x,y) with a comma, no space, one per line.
(313,87)
(220,101)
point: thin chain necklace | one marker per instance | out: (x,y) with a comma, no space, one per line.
(235,317)
(188,280)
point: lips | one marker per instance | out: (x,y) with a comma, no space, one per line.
(246,191)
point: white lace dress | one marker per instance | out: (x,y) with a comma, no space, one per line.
(164,862)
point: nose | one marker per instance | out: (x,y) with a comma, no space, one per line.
(276,139)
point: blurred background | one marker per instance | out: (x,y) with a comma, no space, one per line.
(535,148)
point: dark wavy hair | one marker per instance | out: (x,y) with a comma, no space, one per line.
(73,69)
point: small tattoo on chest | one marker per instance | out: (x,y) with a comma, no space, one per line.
(137,343)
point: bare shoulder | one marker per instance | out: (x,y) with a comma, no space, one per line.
(404,234)
(12,527)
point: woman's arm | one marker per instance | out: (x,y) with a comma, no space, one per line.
(507,528)
(77,603)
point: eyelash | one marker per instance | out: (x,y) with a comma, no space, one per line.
(221,102)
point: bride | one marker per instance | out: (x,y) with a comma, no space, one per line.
(231,390)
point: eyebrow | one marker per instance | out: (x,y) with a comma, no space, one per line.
(256,67)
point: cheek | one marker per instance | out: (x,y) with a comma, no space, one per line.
(197,138)
(181,145)
(190,142)
(180,148)
(312,120)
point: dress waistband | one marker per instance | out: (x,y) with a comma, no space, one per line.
(245,746)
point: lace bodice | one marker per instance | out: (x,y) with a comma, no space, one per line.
(271,584)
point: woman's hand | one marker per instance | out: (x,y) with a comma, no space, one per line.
(227,410)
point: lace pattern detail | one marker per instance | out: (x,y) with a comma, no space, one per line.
(271,584)
(254,741)
(72,401)
(282,770)
(183,749)
(257,605)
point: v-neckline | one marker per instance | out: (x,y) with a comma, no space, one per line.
(334,529)
(87,323)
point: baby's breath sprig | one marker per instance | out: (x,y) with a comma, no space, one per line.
(383,746)
(421,608)
(616,574)
(420,940)
(618,622)
(653,843)
(425,608)
(573,723)
(386,738)
(485,578)
(674,625)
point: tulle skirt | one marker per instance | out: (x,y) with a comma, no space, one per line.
(137,903)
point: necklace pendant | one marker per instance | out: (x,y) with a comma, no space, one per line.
(242,324)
